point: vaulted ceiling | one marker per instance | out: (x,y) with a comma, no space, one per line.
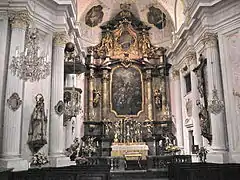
(173,9)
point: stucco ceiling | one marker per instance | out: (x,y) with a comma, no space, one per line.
(140,8)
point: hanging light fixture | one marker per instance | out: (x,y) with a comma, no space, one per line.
(29,65)
(215,104)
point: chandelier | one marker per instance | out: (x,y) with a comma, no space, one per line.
(28,65)
(215,104)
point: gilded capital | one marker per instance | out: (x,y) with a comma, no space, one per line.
(20,19)
(209,39)
(105,76)
(60,39)
(148,75)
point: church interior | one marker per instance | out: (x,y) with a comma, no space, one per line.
(119,89)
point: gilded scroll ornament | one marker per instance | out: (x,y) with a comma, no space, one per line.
(14,102)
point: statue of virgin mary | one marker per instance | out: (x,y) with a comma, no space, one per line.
(38,126)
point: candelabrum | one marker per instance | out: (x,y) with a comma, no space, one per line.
(29,65)
(215,104)
(89,147)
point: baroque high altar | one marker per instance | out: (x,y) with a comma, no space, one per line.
(128,106)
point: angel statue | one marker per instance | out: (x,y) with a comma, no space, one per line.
(38,126)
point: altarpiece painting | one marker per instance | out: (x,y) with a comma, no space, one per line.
(126,91)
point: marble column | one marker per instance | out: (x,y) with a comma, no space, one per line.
(184,116)
(192,61)
(149,94)
(105,90)
(178,110)
(79,129)
(70,81)
(11,155)
(56,130)
(214,79)
(90,91)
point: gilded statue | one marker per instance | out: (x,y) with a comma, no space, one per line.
(38,126)
(144,44)
(158,98)
(96,97)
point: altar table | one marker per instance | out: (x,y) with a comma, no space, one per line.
(130,151)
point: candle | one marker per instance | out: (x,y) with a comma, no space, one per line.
(26,50)
(17,51)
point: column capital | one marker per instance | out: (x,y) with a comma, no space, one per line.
(209,39)
(191,58)
(175,74)
(60,39)
(105,76)
(148,75)
(20,19)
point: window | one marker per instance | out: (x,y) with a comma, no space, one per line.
(188,83)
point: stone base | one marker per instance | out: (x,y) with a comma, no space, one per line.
(195,158)
(59,161)
(218,157)
(234,157)
(17,164)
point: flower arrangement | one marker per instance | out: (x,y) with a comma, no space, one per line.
(39,159)
(172,148)
(202,154)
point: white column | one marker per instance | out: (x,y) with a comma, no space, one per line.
(80,118)
(56,130)
(184,116)
(178,109)
(214,78)
(4,46)
(70,81)
(192,59)
(11,155)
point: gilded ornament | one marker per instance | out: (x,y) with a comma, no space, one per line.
(14,102)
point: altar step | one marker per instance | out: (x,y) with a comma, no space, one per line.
(138,175)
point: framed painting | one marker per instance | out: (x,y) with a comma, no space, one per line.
(126,91)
